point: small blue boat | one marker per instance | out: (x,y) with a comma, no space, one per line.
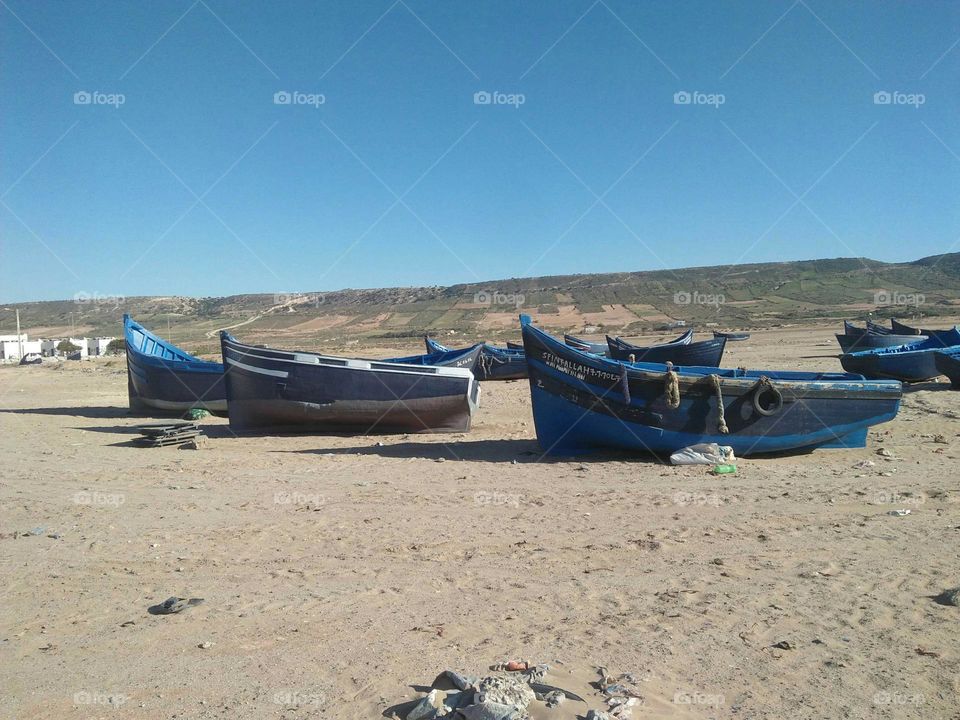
(468,358)
(587,345)
(872,328)
(708,353)
(876,329)
(493,364)
(913,362)
(162,378)
(732,336)
(585,403)
(902,329)
(867,341)
(948,363)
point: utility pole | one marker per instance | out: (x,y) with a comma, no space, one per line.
(19,337)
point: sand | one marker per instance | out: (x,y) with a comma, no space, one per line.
(338,572)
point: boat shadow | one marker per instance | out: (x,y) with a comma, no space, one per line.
(928,386)
(98,413)
(492,451)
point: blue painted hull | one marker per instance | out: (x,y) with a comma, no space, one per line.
(868,341)
(583,403)
(732,336)
(948,363)
(163,379)
(708,353)
(914,362)
(285,391)
(493,363)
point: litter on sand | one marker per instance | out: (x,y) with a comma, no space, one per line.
(724,469)
(167,433)
(703,454)
(173,605)
(518,690)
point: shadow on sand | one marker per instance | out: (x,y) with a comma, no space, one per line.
(929,386)
(493,451)
(87,412)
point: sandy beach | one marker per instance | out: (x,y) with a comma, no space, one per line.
(340,573)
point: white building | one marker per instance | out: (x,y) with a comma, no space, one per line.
(98,345)
(10,348)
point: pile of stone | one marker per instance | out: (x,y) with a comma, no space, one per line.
(513,691)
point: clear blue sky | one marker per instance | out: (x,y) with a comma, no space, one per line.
(199,184)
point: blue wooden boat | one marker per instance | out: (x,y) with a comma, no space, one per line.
(867,341)
(586,345)
(290,391)
(901,329)
(733,336)
(850,329)
(468,358)
(493,363)
(708,353)
(514,346)
(913,362)
(908,330)
(584,403)
(871,328)
(876,329)
(162,378)
(948,363)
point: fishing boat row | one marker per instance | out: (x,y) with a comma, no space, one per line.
(261,389)
(582,401)
(900,352)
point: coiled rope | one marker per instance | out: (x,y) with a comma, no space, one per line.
(672,382)
(721,420)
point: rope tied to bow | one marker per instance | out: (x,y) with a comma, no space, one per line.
(672,382)
(624,384)
(721,420)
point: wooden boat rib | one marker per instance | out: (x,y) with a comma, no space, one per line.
(162,378)
(493,363)
(585,403)
(706,352)
(291,391)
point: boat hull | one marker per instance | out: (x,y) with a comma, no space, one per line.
(949,364)
(584,404)
(867,341)
(493,363)
(291,392)
(913,362)
(163,379)
(708,353)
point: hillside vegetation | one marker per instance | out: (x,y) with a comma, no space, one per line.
(742,296)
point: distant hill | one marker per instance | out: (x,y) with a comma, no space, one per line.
(740,296)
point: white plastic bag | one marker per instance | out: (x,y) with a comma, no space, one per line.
(703,454)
